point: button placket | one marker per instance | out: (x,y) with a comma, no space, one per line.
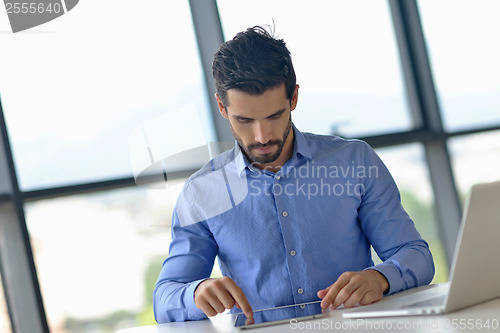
(283,203)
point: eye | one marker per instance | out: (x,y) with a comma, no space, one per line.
(275,116)
(244,120)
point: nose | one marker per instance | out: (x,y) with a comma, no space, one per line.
(262,132)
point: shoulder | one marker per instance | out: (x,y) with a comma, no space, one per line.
(214,165)
(321,144)
(212,190)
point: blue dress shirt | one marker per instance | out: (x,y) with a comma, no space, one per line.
(284,236)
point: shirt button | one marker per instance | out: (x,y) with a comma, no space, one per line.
(300,291)
(292,253)
(285,213)
(278,177)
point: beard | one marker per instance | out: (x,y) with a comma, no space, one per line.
(263,158)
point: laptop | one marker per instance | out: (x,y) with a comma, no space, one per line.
(475,270)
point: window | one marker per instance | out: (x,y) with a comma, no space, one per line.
(98,256)
(461,39)
(75,88)
(475,159)
(407,166)
(78,89)
(345,58)
(4,313)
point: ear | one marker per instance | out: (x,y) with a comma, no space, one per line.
(295,97)
(222,109)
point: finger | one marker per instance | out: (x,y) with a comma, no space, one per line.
(213,295)
(334,290)
(220,297)
(369,298)
(322,293)
(240,298)
(350,290)
(224,297)
(355,297)
(242,301)
(202,301)
(207,309)
(216,304)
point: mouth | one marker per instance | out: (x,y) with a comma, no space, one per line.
(264,150)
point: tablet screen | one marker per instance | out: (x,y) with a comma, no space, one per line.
(279,315)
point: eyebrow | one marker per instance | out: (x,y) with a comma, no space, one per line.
(277,113)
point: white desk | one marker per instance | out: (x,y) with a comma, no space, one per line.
(472,319)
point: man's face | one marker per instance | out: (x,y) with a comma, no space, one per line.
(261,124)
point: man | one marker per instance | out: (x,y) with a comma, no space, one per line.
(290,215)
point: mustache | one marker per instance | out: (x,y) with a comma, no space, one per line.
(263,145)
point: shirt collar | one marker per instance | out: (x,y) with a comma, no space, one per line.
(300,148)
(240,161)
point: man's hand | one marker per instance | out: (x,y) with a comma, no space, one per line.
(214,296)
(351,288)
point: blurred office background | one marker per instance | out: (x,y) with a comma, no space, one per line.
(81,244)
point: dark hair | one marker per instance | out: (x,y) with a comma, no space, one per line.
(253,61)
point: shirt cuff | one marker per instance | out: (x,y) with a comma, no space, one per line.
(194,311)
(392,276)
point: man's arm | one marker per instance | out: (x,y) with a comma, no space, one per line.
(183,290)
(190,261)
(407,260)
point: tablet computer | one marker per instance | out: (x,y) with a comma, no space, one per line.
(280,315)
